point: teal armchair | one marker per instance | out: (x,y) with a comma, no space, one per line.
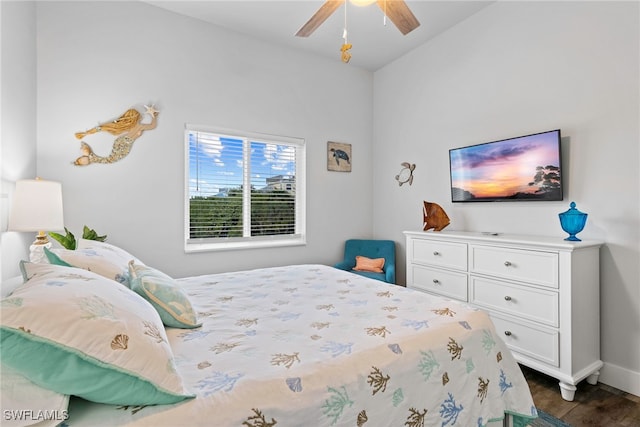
(371,249)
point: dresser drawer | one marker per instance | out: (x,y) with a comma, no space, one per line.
(536,267)
(538,305)
(537,343)
(441,254)
(441,282)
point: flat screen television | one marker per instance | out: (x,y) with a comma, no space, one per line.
(516,169)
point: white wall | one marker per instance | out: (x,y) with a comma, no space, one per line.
(97,59)
(512,69)
(18,118)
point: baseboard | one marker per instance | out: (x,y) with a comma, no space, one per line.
(621,378)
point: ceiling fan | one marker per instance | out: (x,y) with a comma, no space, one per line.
(396,10)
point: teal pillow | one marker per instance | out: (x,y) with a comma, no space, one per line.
(164,294)
(53,259)
(75,332)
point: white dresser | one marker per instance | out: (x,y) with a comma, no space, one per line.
(543,293)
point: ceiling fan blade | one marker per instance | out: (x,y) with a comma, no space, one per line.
(319,17)
(400,14)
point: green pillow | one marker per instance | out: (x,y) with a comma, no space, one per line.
(164,294)
(75,332)
(53,259)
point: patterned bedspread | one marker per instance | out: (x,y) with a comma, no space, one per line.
(311,345)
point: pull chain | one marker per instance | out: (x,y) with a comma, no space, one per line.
(346,46)
(344,33)
(384,20)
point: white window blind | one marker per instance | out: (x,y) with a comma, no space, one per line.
(243,189)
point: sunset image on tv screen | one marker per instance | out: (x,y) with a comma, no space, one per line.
(523,168)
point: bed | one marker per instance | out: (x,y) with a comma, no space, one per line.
(301,345)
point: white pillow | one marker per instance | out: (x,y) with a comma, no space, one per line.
(77,333)
(100,257)
(25,404)
(9,285)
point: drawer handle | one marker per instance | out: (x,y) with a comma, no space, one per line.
(436,281)
(436,253)
(507,264)
(507,333)
(507,298)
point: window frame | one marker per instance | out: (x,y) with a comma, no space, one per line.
(250,242)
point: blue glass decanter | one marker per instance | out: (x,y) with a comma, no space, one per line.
(572,221)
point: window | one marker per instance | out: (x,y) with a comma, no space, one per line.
(243,190)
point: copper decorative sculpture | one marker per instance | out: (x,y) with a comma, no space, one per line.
(434,217)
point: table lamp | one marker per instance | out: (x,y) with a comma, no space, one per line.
(37,206)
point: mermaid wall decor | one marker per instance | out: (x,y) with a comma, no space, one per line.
(128,127)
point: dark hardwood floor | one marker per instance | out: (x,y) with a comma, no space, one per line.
(594,405)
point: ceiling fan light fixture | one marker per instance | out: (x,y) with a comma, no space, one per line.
(362,2)
(396,10)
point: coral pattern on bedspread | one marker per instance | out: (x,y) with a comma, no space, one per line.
(315,346)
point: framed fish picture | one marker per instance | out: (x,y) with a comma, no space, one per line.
(338,157)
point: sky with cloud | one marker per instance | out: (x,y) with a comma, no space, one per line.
(216,163)
(503,168)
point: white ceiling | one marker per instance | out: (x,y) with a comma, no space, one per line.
(374,44)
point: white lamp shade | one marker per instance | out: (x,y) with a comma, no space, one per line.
(37,205)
